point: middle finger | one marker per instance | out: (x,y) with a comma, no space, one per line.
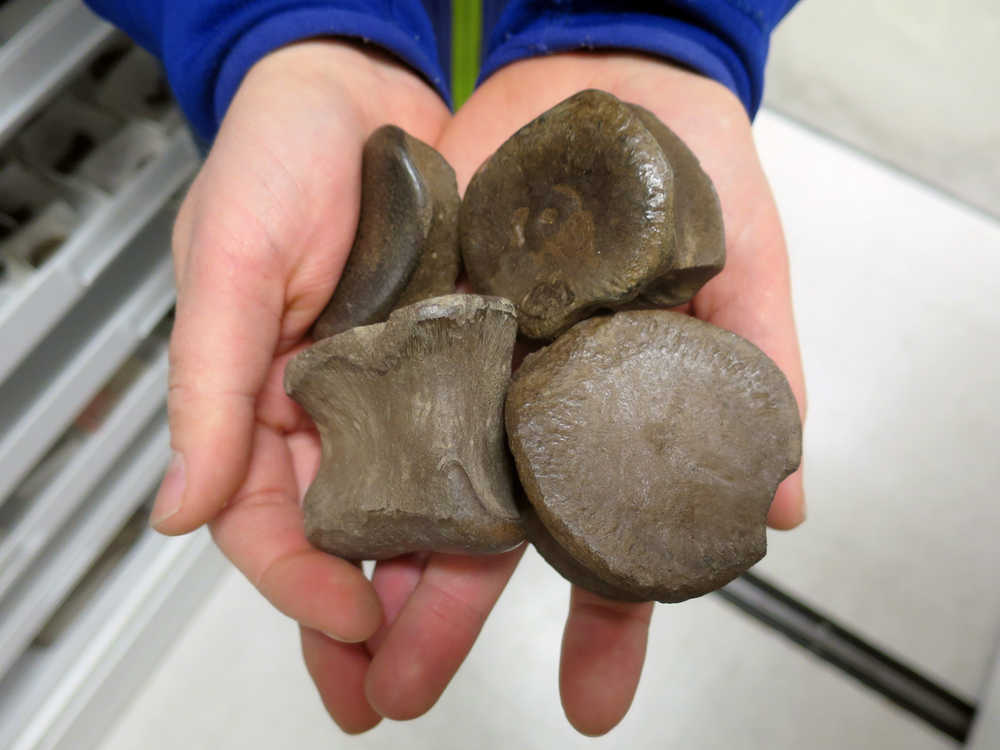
(435,631)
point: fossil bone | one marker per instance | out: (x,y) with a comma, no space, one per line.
(406,247)
(650,445)
(591,205)
(410,414)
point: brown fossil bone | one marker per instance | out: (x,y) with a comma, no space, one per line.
(699,249)
(410,414)
(650,445)
(406,247)
(589,206)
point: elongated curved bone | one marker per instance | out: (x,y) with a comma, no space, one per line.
(406,247)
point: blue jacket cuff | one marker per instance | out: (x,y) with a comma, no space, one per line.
(207,46)
(726,40)
(416,50)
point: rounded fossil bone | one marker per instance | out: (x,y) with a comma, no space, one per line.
(589,206)
(410,414)
(650,445)
(406,246)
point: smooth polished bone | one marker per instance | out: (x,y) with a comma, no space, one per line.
(650,445)
(699,248)
(410,413)
(589,206)
(406,247)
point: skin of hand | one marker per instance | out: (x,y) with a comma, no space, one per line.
(752,295)
(258,246)
(604,642)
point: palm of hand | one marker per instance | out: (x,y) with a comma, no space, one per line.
(251,282)
(751,296)
(604,642)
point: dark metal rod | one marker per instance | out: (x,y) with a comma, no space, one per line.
(835,644)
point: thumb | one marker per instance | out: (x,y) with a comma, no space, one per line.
(228,321)
(264,194)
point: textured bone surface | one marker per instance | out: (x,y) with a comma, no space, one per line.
(589,206)
(406,246)
(410,414)
(650,445)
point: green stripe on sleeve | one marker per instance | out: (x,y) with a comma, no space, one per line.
(466,30)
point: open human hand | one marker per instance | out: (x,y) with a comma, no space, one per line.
(259,244)
(604,642)
(435,605)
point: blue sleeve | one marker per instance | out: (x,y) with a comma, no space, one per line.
(207,46)
(724,39)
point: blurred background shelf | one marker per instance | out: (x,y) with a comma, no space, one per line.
(30,604)
(93,157)
(44,298)
(52,385)
(63,696)
(39,508)
(44,44)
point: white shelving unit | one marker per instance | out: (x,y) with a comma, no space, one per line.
(47,295)
(45,511)
(30,604)
(57,380)
(65,698)
(43,54)
(92,157)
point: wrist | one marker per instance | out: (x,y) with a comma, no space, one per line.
(686,100)
(725,40)
(366,84)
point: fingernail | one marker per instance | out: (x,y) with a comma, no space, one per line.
(332,637)
(171,492)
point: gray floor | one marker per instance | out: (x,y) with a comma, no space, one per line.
(902,368)
(900,350)
(916,82)
(713,679)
